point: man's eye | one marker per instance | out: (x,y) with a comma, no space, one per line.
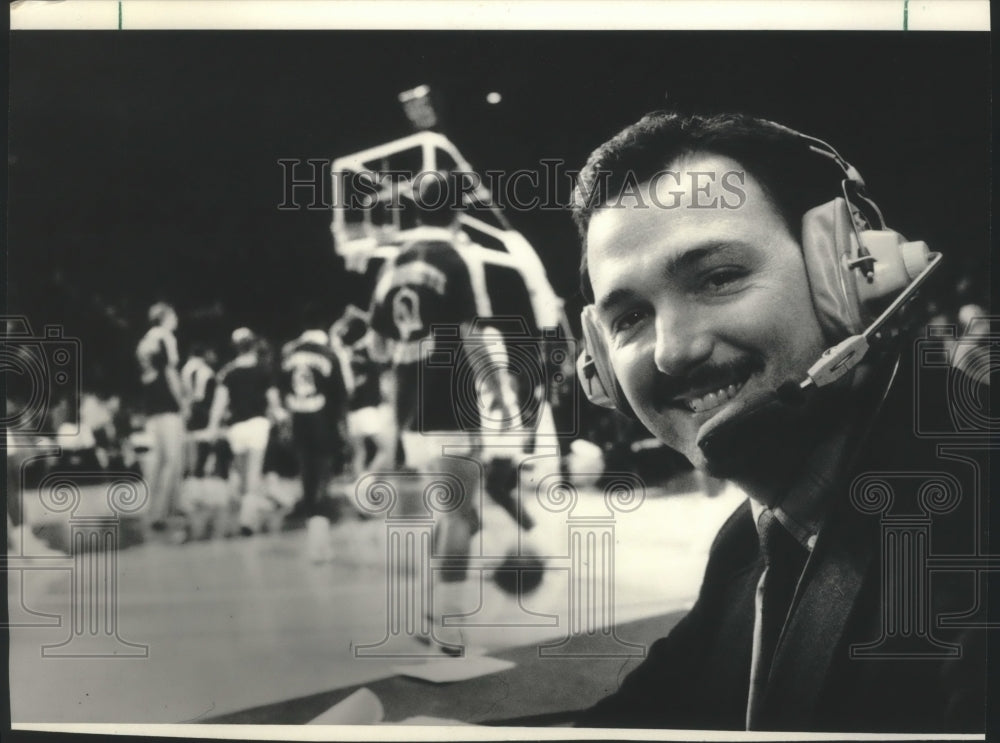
(722,278)
(627,321)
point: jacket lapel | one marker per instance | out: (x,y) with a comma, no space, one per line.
(812,639)
(843,558)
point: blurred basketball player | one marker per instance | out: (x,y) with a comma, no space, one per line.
(429,284)
(316,397)
(165,408)
(370,421)
(198,379)
(246,389)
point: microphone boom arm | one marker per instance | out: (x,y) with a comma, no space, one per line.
(841,358)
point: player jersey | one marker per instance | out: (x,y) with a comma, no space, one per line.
(427,284)
(156,351)
(247,379)
(366,371)
(198,381)
(312,380)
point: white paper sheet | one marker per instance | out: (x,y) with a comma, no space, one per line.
(360,708)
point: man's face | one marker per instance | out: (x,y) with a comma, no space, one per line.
(702,307)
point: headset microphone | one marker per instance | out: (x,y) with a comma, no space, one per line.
(841,358)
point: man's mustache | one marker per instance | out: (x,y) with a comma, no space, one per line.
(704,378)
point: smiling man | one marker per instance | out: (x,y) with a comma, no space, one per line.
(711,291)
(702,307)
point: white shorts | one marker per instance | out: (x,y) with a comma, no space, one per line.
(423,449)
(249,435)
(374,421)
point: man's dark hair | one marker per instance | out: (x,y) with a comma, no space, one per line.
(792,176)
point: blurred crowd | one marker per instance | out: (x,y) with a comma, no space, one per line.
(226,449)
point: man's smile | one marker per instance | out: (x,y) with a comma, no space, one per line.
(708,391)
(701,403)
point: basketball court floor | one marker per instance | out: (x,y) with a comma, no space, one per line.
(212,630)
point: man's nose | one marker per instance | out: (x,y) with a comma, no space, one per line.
(682,342)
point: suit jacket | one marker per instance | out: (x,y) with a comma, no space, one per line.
(698,676)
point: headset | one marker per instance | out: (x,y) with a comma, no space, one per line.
(860,275)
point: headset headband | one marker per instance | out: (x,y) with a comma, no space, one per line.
(861,207)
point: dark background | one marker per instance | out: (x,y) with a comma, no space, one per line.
(143,165)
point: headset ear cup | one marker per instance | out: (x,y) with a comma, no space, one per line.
(896,264)
(599,384)
(846,300)
(827,244)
